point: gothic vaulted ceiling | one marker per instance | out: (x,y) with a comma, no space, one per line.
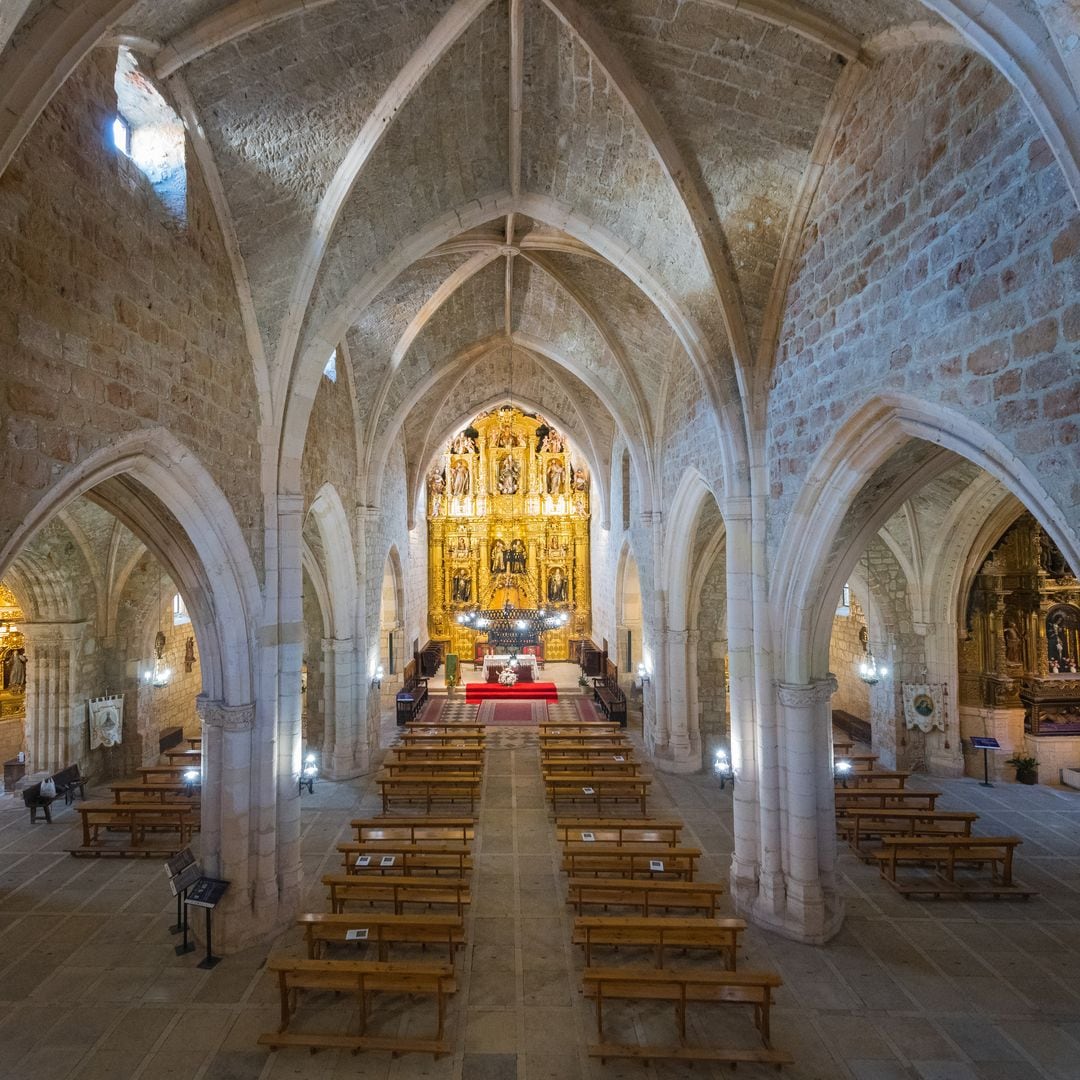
(592,192)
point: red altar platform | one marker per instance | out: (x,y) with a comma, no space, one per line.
(520,691)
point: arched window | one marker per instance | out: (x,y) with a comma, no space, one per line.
(626,489)
(179,611)
(330,371)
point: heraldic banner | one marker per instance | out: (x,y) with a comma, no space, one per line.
(106,721)
(924,706)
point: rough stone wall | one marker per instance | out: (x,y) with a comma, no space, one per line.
(689,433)
(712,651)
(111,318)
(942,258)
(330,446)
(314,712)
(845,654)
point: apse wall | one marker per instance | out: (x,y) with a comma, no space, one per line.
(113,317)
(940,259)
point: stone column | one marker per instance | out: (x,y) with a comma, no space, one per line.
(811,908)
(55,707)
(344,753)
(679,754)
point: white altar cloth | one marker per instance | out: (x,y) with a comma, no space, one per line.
(500,660)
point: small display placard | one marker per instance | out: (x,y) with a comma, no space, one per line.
(177,863)
(186,878)
(387,860)
(206,892)
(588,837)
(356,935)
(656,864)
(619,757)
(984,742)
(589,790)
(364,860)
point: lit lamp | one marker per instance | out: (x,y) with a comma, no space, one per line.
(193,779)
(842,771)
(308,774)
(376,679)
(723,769)
(642,674)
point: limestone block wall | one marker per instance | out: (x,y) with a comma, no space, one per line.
(330,446)
(712,652)
(313,705)
(113,318)
(941,259)
(845,654)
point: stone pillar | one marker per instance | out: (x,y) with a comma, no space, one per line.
(807,905)
(344,752)
(55,706)
(682,751)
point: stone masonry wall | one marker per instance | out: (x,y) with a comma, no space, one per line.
(845,654)
(330,446)
(942,259)
(112,318)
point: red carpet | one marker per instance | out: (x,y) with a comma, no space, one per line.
(512,713)
(534,691)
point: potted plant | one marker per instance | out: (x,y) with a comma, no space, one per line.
(583,680)
(1027,769)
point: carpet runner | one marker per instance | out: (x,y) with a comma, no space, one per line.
(512,713)
(522,691)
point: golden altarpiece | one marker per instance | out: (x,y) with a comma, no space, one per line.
(1023,633)
(12,657)
(508,524)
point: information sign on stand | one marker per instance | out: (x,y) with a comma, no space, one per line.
(985,743)
(207,893)
(183,871)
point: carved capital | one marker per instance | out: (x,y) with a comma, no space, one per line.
(216,714)
(806,695)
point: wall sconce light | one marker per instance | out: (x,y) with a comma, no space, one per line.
(376,679)
(723,768)
(642,674)
(842,770)
(308,774)
(192,779)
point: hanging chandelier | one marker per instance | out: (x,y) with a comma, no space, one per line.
(870,671)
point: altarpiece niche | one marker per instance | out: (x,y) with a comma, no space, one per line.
(508,524)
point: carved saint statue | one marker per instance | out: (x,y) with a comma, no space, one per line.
(1014,646)
(552,443)
(463,444)
(15,671)
(506,437)
(517,557)
(498,557)
(461,591)
(461,551)
(509,472)
(459,479)
(555,473)
(436,486)
(581,478)
(557,586)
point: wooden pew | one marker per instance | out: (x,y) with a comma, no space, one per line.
(583,737)
(397,891)
(424,754)
(438,727)
(195,743)
(616,764)
(864,762)
(428,789)
(380,928)
(413,829)
(884,797)
(577,787)
(189,759)
(618,830)
(413,694)
(659,933)
(555,727)
(857,824)
(682,988)
(944,854)
(163,792)
(150,773)
(630,860)
(363,978)
(869,777)
(447,738)
(584,750)
(138,818)
(429,857)
(460,767)
(644,895)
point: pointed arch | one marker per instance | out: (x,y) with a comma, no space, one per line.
(328,513)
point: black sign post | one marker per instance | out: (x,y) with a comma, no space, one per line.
(189,876)
(180,875)
(207,893)
(985,743)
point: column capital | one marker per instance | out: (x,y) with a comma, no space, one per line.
(806,695)
(216,714)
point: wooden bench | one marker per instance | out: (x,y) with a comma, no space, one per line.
(363,978)
(439,726)
(150,773)
(428,789)
(683,988)
(160,791)
(577,787)
(645,896)
(460,829)
(460,767)
(189,759)
(68,781)
(397,891)
(658,933)
(857,824)
(586,752)
(555,727)
(870,777)
(630,860)
(944,855)
(615,763)
(608,695)
(884,797)
(380,928)
(138,818)
(429,857)
(434,753)
(619,830)
(447,739)
(856,761)
(582,737)
(413,695)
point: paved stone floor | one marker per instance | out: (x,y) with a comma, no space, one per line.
(91,988)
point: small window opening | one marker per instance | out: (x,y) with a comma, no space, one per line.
(843,609)
(148,131)
(330,371)
(179,611)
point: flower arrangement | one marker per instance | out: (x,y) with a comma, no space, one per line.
(507,677)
